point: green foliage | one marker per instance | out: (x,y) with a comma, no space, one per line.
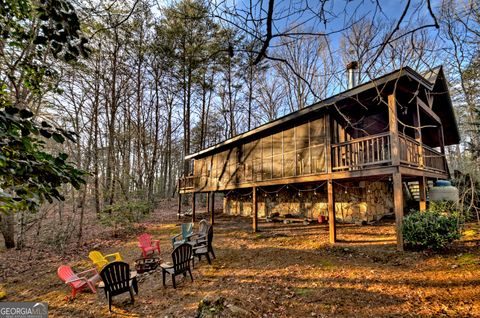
(443,206)
(123,215)
(28,174)
(430,229)
(32,32)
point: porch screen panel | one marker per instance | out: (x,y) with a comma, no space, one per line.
(199,171)
(318,136)
(213,170)
(302,145)
(318,131)
(318,155)
(289,153)
(267,157)
(222,168)
(277,155)
(248,162)
(198,167)
(234,165)
(257,160)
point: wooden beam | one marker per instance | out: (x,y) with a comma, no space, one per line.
(193,207)
(398,207)
(179,205)
(423,193)
(418,134)
(212,215)
(367,172)
(418,172)
(428,111)
(393,125)
(255,210)
(442,149)
(332,229)
(442,140)
(339,175)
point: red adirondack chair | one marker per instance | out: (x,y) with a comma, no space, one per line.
(78,281)
(148,245)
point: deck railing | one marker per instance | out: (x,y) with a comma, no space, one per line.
(357,154)
(409,153)
(361,153)
(186,182)
(433,159)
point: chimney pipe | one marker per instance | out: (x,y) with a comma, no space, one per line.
(351,67)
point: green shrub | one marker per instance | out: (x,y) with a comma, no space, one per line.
(444,206)
(430,229)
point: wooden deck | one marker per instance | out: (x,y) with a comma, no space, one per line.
(359,158)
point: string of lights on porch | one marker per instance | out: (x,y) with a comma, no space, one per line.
(300,191)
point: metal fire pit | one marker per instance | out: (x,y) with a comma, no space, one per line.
(143,265)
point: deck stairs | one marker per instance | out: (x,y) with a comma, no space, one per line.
(414,190)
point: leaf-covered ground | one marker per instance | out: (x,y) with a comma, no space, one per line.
(283,271)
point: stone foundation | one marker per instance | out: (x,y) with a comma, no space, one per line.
(354,201)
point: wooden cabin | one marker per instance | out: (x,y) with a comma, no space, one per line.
(353,157)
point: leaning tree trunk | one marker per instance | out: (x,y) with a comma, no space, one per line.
(7,228)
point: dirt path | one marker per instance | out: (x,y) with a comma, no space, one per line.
(283,271)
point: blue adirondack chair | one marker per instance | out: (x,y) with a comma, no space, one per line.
(187,232)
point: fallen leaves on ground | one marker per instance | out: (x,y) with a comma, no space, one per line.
(286,270)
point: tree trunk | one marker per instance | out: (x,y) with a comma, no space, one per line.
(7,227)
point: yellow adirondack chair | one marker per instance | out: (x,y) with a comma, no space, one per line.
(101,260)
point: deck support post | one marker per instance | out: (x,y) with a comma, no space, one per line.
(193,207)
(207,202)
(393,125)
(418,135)
(179,205)
(255,210)
(396,176)
(332,228)
(422,193)
(398,207)
(212,215)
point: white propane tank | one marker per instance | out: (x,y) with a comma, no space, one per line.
(443,190)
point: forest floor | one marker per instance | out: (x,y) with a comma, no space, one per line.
(282,271)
